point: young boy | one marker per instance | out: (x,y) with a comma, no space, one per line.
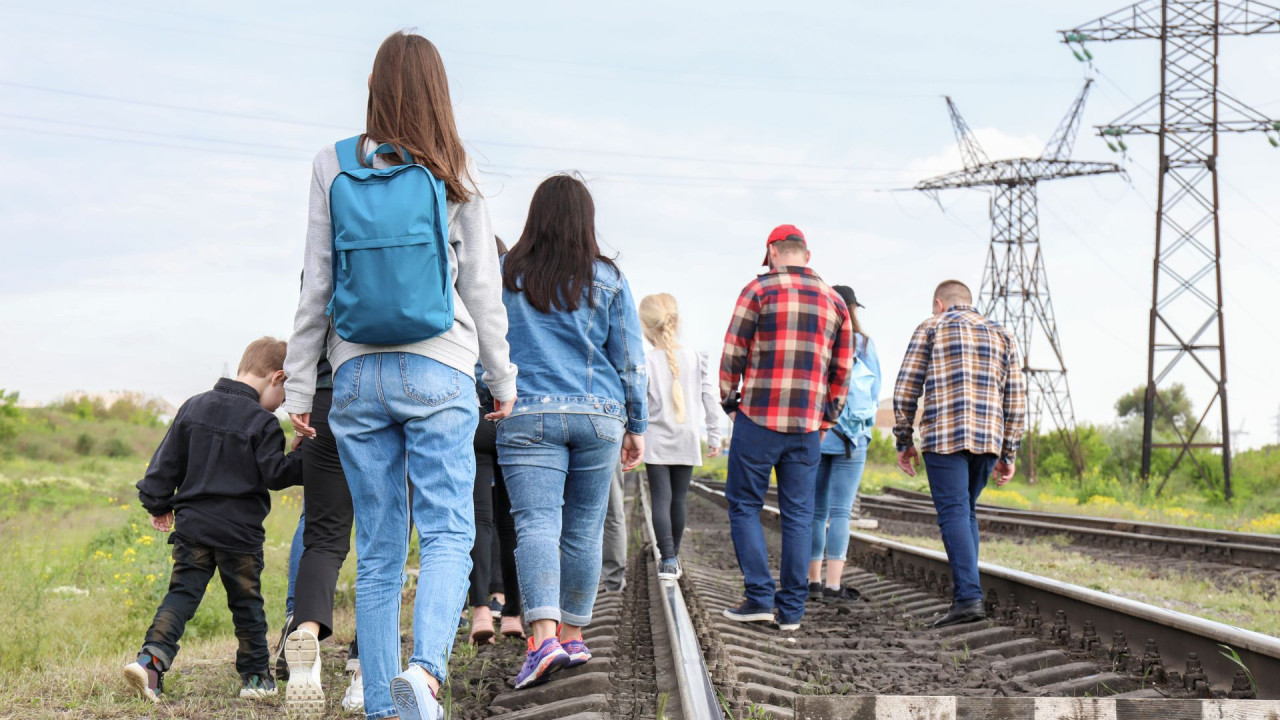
(208,483)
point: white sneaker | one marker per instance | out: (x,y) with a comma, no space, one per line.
(303,696)
(353,698)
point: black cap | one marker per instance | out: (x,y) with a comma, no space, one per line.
(846,293)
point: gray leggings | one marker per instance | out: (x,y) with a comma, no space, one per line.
(668,485)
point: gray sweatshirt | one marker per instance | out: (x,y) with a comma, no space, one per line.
(480,319)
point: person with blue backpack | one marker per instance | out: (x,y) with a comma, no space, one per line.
(401,265)
(844,456)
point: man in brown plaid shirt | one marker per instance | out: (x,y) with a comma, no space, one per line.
(970,373)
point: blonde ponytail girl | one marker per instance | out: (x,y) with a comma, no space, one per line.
(660,318)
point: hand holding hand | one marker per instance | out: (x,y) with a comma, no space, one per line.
(163,523)
(501,410)
(632,451)
(907,460)
(302,425)
(1003,473)
(297,443)
(713,451)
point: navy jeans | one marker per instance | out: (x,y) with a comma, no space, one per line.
(756,451)
(956,480)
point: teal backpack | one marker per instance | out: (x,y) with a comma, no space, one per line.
(391,279)
(859,413)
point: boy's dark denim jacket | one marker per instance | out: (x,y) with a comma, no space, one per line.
(214,467)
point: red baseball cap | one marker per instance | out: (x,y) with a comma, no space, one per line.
(782,232)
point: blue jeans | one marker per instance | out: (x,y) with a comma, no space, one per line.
(404,425)
(558,468)
(955,481)
(295,557)
(834,491)
(756,451)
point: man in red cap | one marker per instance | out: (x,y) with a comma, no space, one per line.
(790,345)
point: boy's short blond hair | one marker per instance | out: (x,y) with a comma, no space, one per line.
(263,357)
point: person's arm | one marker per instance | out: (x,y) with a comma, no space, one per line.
(710,405)
(279,471)
(479,284)
(838,369)
(625,351)
(738,340)
(1015,403)
(906,394)
(167,470)
(310,323)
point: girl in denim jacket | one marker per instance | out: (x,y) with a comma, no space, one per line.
(576,337)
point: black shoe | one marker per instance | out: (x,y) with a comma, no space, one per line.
(257,686)
(815,591)
(784,624)
(494,606)
(961,614)
(282,667)
(747,611)
(844,595)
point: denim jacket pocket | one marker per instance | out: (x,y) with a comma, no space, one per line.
(427,382)
(522,430)
(346,383)
(607,428)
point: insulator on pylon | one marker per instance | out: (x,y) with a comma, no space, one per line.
(1078,56)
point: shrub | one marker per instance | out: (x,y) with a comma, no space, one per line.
(117,448)
(85,444)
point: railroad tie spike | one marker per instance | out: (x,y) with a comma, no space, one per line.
(931,584)
(1152,667)
(1089,639)
(1119,649)
(1242,687)
(1195,673)
(1060,633)
(992,604)
(1033,616)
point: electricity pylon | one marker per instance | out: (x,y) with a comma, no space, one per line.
(1186,289)
(1015,286)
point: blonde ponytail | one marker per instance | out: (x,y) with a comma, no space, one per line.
(660,318)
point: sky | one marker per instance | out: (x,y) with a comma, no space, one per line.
(156,167)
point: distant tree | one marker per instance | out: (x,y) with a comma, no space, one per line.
(10,415)
(1172,408)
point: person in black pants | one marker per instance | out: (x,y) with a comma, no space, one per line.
(492,507)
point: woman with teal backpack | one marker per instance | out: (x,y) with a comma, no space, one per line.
(400,263)
(844,456)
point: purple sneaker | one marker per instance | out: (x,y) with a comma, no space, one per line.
(540,663)
(578,652)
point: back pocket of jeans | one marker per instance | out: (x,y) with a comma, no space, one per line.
(607,428)
(521,430)
(346,382)
(428,381)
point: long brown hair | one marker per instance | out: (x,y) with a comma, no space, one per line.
(555,258)
(851,300)
(409,107)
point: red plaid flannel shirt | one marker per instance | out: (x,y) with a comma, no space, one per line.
(791,346)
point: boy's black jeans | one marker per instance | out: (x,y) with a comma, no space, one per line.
(193,568)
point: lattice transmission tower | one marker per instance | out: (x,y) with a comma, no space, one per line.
(1186,324)
(1015,286)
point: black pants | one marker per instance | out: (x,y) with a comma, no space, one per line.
(193,568)
(493,511)
(668,486)
(326,538)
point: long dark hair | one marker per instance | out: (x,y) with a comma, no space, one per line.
(555,257)
(851,300)
(409,107)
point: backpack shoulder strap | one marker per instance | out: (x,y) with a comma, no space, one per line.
(348,153)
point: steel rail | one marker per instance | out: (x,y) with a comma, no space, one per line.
(698,698)
(1176,634)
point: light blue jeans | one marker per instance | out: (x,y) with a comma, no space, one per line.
(295,558)
(558,468)
(404,425)
(834,493)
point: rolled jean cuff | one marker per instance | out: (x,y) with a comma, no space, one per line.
(546,612)
(379,715)
(432,670)
(569,618)
(842,558)
(159,654)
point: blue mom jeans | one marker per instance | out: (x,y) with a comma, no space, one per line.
(404,425)
(834,492)
(559,469)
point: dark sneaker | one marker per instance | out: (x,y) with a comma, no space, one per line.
(578,652)
(145,678)
(961,614)
(257,686)
(669,569)
(785,625)
(495,606)
(815,591)
(747,611)
(282,666)
(844,594)
(541,662)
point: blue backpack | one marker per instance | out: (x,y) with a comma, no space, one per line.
(859,413)
(391,279)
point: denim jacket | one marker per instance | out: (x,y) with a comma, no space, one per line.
(589,361)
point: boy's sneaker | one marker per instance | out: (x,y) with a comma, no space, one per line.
(669,569)
(541,662)
(282,667)
(842,594)
(353,698)
(747,611)
(786,625)
(494,606)
(303,696)
(578,652)
(257,685)
(815,591)
(413,697)
(145,678)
